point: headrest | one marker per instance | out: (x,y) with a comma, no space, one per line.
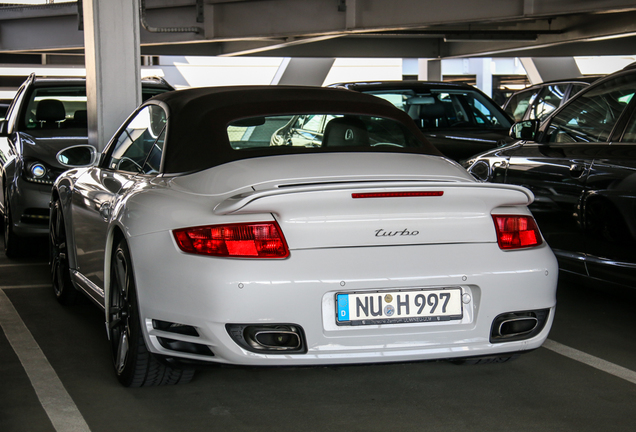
(50,110)
(345,131)
(432,111)
(81,116)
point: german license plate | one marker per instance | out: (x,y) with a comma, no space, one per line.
(389,307)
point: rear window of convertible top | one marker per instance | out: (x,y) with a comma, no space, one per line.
(321,131)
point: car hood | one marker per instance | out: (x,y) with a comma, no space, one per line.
(42,146)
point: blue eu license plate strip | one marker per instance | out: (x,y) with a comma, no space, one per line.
(390,307)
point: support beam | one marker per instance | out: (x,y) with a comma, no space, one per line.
(540,69)
(111,37)
(349,28)
(303,71)
(531,70)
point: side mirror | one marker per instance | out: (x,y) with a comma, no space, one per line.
(77,156)
(525,130)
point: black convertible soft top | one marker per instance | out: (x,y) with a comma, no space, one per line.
(198,118)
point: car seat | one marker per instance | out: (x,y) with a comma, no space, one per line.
(49,113)
(345,131)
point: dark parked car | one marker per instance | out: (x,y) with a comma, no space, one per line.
(538,101)
(44,134)
(581,165)
(458,119)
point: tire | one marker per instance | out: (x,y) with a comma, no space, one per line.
(485,360)
(11,240)
(134,365)
(63,288)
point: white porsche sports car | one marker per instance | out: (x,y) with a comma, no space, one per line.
(217,228)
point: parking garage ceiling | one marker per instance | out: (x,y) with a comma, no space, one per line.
(341,28)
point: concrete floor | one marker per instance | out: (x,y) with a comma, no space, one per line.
(583,379)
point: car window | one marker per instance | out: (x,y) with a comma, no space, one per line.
(147,92)
(63,107)
(591,116)
(139,146)
(311,123)
(577,88)
(335,131)
(518,104)
(470,109)
(55,108)
(443,109)
(630,130)
(547,101)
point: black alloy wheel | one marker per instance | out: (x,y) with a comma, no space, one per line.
(10,238)
(63,288)
(134,365)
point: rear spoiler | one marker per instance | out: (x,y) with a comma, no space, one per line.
(237,202)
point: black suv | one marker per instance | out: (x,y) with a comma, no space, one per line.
(580,163)
(44,134)
(460,120)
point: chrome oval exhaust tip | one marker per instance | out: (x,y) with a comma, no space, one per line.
(277,339)
(516,326)
(269,338)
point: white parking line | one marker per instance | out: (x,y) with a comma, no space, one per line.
(55,400)
(590,360)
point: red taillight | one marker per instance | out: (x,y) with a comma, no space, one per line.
(397,194)
(247,240)
(516,232)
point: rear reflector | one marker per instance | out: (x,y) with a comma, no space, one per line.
(248,240)
(517,232)
(397,194)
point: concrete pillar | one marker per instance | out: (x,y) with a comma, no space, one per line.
(410,68)
(303,71)
(429,70)
(111,40)
(481,68)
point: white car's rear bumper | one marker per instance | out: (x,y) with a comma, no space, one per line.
(208,293)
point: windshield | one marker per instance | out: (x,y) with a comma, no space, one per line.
(56,107)
(63,107)
(447,109)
